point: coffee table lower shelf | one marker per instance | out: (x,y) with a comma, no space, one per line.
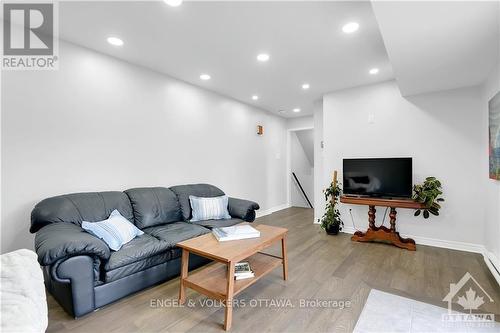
(212,280)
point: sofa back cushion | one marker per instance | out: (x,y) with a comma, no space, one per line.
(198,190)
(77,207)
(154,206)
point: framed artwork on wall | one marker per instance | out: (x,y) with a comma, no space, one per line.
(494,135)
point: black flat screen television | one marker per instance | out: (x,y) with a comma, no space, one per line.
(378,177)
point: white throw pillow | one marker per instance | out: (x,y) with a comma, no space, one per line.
(214,208)
(115,231)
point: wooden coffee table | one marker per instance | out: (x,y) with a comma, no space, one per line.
(217,280)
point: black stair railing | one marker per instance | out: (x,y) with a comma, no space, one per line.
(302,190)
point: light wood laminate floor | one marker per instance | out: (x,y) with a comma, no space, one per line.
(321,267)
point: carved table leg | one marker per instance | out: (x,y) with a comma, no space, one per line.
(360,236)
(395,238)
(371,216)
(383,234)
(392,216)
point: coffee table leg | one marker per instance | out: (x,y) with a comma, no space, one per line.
(184,274)
(229,296)
(285,258)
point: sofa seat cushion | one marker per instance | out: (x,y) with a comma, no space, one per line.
(137,249)
(176,232)
(218,223)
(137,266)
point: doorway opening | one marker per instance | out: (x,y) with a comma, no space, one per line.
(300,163)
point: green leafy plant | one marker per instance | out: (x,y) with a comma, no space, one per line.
(428,193)
(331,218)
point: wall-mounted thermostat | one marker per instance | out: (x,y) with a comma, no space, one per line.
(260,130)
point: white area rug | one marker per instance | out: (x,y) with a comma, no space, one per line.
(384,312)
(22,292)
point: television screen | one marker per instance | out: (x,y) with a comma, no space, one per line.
(378,177)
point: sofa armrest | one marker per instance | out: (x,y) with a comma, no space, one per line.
(72,284)
(62,240)
(242,209)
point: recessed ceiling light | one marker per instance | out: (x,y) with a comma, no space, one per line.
(373,71)
(115,41)
(296,110)
(350,27)
(173,3)
(255,97)
(205,77)
(263,57)
(305,86)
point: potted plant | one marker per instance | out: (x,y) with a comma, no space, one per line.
(331,221)
(428,193)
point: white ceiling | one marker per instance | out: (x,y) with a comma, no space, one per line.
(436,46)
(304,40)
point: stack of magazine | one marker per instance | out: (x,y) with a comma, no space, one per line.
(235,232)
(242,270)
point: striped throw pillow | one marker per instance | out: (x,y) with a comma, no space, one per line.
(214,208)
(115,231)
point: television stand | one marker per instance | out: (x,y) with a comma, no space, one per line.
(383,234)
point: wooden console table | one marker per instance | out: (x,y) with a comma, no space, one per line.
(383,234)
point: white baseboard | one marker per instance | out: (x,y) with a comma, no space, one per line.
(271,210)
(453,245)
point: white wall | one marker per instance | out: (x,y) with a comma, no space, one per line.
(306,139)
(492,187)
(443,132)
(300,122)
(304,170)
(102,124)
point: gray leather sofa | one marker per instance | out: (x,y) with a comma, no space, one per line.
(83,274)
